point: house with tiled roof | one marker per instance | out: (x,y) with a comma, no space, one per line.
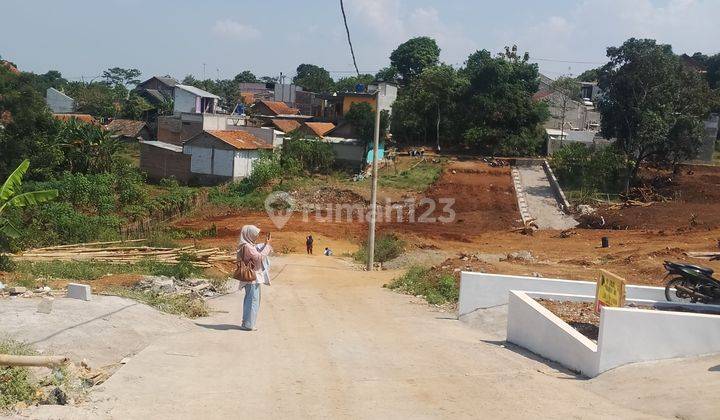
(222,155)
(286,126)
(129,130)
(317,129)
(273,109)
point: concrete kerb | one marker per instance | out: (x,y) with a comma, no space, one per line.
(627,335)
(555,186)
(520,195)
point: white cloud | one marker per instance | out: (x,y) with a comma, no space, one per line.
(228,28)
(392,23)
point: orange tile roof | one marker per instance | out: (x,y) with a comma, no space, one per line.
(238,139)
(86,118)
(286,126)
(280,108)
(320,128)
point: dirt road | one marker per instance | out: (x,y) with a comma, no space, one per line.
(332,343)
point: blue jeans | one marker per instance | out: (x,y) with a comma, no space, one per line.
(251,304)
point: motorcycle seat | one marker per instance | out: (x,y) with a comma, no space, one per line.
(704,270)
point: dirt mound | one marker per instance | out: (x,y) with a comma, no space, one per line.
(324,196)
(694,203)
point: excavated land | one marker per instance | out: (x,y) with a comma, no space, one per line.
(693,202)
(487,214)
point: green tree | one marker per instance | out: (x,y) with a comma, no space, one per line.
(313,78)
(120,76)
(245,76)
(496,113)
(348,84)
(387,74)
(12,197)
(440,84)
(653,104)
(413,56)
(28,127)
(97,99)
(591,75)
(362,117)
(135,107)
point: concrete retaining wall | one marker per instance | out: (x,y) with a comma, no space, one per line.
(635,335)
(532,326)
(481,290)
(626,335)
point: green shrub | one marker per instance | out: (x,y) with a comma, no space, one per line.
(436,288)
(387,247)
(91,270)
(308,155)
(6,263)
(577,167)
(184,305)
(15,382)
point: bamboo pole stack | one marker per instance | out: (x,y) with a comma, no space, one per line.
(120,252)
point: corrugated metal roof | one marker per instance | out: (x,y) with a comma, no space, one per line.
(286,126)
(163,145)
(280,108)
(197,91)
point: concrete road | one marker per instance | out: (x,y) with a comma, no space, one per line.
(332,343)
(541,201)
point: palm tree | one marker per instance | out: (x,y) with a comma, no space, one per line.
(9,197)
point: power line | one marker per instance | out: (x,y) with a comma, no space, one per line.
(347,30)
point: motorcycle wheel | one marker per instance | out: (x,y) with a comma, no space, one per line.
(678,296)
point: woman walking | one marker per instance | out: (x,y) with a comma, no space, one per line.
(254,255)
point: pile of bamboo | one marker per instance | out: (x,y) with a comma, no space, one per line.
(123,252)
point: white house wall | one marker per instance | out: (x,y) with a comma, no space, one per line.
(200,160)
(244,160)
(184,101)
(223,162)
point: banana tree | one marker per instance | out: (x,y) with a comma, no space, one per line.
(9,197)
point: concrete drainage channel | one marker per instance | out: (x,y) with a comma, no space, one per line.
(626,335)
(540,199)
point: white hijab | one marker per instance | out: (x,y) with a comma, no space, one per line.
(248,235)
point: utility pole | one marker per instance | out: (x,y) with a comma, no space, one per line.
(373,195)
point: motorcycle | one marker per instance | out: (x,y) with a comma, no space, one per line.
(691,284)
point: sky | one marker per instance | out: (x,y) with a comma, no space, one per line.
(212,38)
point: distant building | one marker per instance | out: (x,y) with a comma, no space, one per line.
(130,130)
(339,104)
(557,139)
(706,152)
(58,102)
(273,109)
(157,90)
(178,128)
(317,129)
(161,160)
(194,100)
(221,155)
(285,126)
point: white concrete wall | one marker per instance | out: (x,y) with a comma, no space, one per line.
(200,159)
(635,335)
(532,326)
(388,95)
(184,101)
(481,290)
(244,160)
(223,162)
(58,102)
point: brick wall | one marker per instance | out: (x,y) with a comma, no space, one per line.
(161,163)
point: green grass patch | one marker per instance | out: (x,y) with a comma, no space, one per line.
(183,305)
(231,197)
(436,287)
(387,247)
(90,270)
(419,178)
(15,382)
